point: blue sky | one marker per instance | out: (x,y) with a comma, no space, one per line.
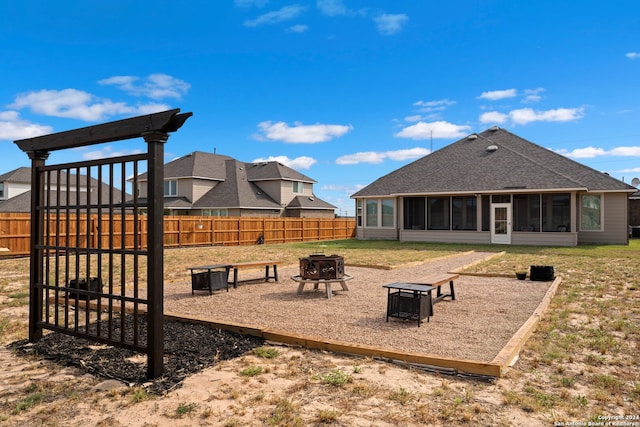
(343,91)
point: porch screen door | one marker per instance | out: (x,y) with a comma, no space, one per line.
(501,223)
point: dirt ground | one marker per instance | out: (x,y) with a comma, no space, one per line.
(239,386)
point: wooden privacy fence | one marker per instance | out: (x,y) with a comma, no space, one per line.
(179,231)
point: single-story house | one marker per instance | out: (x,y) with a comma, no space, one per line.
(210,184)
(495,187)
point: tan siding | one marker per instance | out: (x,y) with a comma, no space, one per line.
(273,190)
(377,233)
(616,226)
(201,187)
(445,236)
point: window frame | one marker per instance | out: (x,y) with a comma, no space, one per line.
(378,212)
(297,187)
(600,197)
(168,184)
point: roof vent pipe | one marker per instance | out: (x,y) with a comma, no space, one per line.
(474,136)
(494,128)
(492,148)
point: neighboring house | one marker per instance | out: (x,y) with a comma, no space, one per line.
(14,183)
(16,190)
(495,187)
(214,185)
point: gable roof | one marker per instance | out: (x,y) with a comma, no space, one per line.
(494,160)
(306,202)
(21,175)
(236,191)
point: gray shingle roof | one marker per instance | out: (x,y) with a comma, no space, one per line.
(21,175)
(307,202)
(236,191)
(22,202)
(512,163)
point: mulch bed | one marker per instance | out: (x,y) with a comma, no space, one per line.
(188,349)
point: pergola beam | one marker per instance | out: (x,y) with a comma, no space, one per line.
(165,121)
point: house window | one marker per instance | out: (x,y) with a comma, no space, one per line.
(414,213)
(379,213)
(215,212)
(1,190)
(171,188)
(463,213)
(372,213)
(387,212)
(591,212)
(438,213)
(359,212)
(298,187)
(556,212)
(526,212)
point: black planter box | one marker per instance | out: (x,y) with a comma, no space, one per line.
(94,285)
(541,273)
(209,281)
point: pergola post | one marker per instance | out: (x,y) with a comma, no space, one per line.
(37,252)
(155,268)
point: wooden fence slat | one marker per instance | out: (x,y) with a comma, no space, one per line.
(179,231)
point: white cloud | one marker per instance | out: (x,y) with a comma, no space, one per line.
(633,151)
(407,154)
(630,170)
(108,151)
(154,86)
(12,127)
(77,104)
(591,152)
(284,14)
(532,95)
(493,117)
(371,157)
(633,55)
(415,118)
(528,115)
(389,24)
(495,95)
(302,162)
(374,157)
(438,129)
(429,106)
(348,189)
(332,7)
(300,28)
(299,133)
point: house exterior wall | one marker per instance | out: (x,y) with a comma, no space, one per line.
(13,189)
(634,212)
(614,231)
(309,213)
(615,224)
(199,188)
(272,188)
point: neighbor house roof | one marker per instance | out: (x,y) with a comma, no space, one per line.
(22,202)
(236,191)
(491,161)
(309,202)
(21,174)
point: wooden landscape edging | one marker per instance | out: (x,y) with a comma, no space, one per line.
(509,353)
(462,365)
